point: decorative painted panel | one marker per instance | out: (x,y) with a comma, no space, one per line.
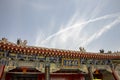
(70,63)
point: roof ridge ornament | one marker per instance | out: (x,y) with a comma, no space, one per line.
(82,49)
(4,40)
(101,50)
(21,43)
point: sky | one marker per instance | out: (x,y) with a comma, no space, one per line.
(62,24)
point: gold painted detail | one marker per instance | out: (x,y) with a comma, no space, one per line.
(8,68)
(1,54)
(12,54)
(53,68)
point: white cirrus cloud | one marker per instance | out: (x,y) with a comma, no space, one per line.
(70,36)
(100,32)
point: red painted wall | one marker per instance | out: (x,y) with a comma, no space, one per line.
(63,77)
(55,76)
(1,70)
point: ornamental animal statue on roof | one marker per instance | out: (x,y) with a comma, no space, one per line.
(21,43)
(4,39)
(82,49)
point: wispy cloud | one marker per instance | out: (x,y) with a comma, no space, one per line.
(78,25)
(101,32)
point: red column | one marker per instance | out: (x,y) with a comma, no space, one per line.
(1,71)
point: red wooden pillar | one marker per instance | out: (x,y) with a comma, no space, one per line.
(1,71)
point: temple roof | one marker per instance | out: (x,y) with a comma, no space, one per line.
(31,50)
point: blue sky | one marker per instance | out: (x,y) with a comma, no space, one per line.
(63,24)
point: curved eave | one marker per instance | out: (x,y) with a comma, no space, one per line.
(30,50)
